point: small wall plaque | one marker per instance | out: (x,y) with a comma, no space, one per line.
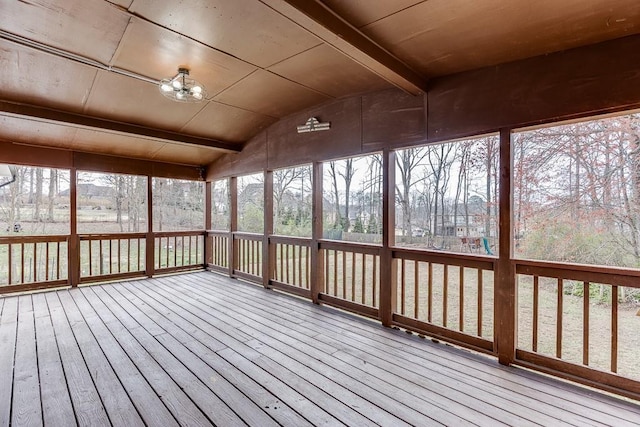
(313,125)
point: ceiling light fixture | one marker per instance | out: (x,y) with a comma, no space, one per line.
(181,88)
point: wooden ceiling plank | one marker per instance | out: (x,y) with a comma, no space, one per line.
(80,121)
(325,24)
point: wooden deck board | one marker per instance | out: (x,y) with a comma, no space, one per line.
(26,389)
(359,354)
(149,405)
(202,349)
(57,409)
(410,351)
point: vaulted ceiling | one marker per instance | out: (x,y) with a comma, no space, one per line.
(83,74)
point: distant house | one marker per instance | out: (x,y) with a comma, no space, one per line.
(90,191)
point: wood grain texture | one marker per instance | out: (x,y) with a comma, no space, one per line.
(185,345)
(576,83)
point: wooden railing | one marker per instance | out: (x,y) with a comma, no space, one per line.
(247,256)
(351,276)
(447,295)
(572,322)
(33,262)
(291,264)
(111,256)
(178,251)
(219,241)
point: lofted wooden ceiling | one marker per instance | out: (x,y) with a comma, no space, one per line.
(82,74)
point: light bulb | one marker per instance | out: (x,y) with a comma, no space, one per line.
(197,95)
(165,87)
(196,89)
(179,95)
(177,84)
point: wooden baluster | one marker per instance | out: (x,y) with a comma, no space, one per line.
(280,271)
(585,323)
(300,280)
(22,263)
(480,301)
(353,277)
(559,319)
(293,264)
(175,251)
(90,257)
(614,328)
(35,262)
(461,300)
(100,250)
(286,263)
(335,273)
(58,262)
(403,281)
(46,268)
(374,281)
(344,274)
(364,278)
(445,295)
(430,293)
(416,288)
(10,262)
(327,283)
(307,267)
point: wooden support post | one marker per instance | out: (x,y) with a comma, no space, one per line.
(233,222)
(208,244)
(388,274)
(317,258)
(505,280)
(268,254)
(73,248)
(150,238)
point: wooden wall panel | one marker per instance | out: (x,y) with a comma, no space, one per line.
(29,155)
(565,85)
(252,158)
(112,164)
(392,118)
(578,83)
(288,147)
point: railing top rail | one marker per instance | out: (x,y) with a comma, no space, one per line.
(582,272)
(33,239)
(449,258)
(218,232)
(247,236)
(111,236)
(365,248)
(179,233)
(300,241)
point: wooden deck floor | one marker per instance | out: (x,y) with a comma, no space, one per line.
(201,349)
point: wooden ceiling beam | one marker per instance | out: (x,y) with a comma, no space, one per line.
(325,24)
(37,113)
